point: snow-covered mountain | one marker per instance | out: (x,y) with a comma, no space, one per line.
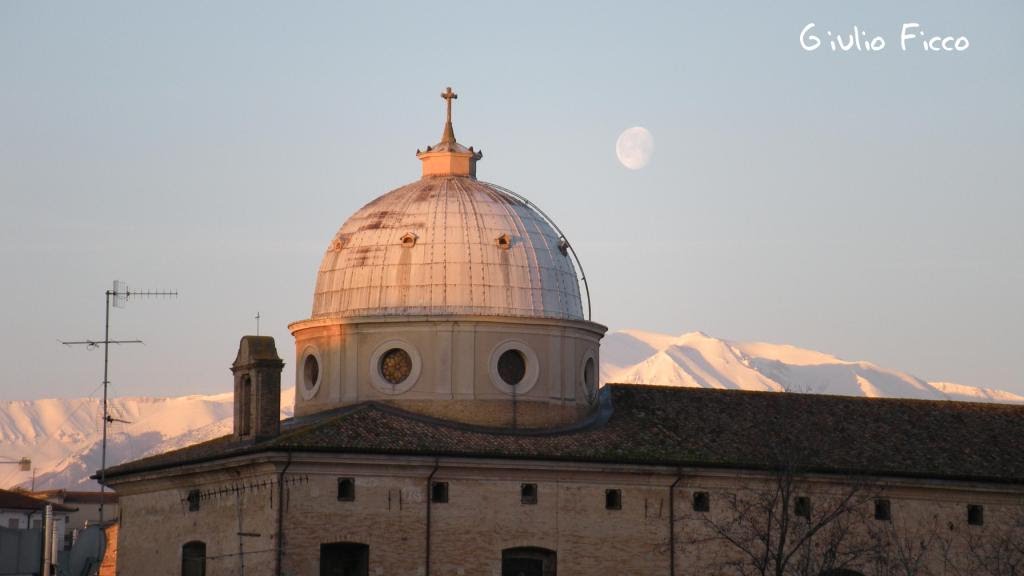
(695,359)
(62,436)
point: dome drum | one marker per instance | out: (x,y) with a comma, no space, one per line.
(449,367)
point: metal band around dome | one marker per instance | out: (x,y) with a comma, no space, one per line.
(561,235)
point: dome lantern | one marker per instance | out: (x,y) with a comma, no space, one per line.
(448,157)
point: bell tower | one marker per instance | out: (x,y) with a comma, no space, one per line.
(257,371)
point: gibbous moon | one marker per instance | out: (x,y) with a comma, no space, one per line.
(635,147)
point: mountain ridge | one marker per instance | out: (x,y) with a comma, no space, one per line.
(62,436)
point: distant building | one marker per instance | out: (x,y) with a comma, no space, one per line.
(448,421)
(86,505)
(21,511)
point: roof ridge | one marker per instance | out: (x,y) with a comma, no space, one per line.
(946,402)
(595,418)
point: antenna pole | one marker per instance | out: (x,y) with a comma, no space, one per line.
(106,381)
(117,298)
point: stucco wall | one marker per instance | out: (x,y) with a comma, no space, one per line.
(455,358)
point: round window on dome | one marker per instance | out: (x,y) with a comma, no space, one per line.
(310,372)
(395,366)
(512,366)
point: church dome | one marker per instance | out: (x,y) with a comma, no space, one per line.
(448,244)
(452,298)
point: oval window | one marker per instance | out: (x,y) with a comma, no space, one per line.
(310,372)
(590,378)
(395,366)
(512,366)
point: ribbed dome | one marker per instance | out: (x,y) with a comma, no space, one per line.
(447,245)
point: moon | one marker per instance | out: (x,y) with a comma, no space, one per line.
(635,147)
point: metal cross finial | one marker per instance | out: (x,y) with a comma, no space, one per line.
(448,95)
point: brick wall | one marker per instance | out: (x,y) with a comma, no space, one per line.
(483,516)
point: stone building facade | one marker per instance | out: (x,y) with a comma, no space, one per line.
(448,421)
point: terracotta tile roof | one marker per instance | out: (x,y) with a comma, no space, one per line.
(685,427)
(17,501)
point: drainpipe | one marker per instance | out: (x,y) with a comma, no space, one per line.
(672,526)
(430,480)
(280,516)
(513,407)
(241,545)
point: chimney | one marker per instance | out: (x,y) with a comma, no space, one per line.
(257,371)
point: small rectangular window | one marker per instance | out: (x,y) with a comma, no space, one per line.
(528,493)
(193,500)
(439,492)
(14,523)
(802,507)
(613,499)
(975,514)
(701,502)
(346,489)
(883,511)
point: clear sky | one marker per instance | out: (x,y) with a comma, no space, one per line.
(866,204)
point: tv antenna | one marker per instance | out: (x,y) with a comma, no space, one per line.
(117,298)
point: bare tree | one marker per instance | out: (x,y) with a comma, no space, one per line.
(787,526)
(900,547)
(990,550)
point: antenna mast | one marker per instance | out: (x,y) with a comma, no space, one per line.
(117,297)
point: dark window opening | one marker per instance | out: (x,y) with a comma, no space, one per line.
(193,500)
(344,559)
(802,507)
(346,489)
(883,510)
(439,492)
(512,367)
(590,379)
(193,559)
(613,499)
(528,561)
(975,514)
(528,493)
(701,502)
(246,407)
(310,372)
